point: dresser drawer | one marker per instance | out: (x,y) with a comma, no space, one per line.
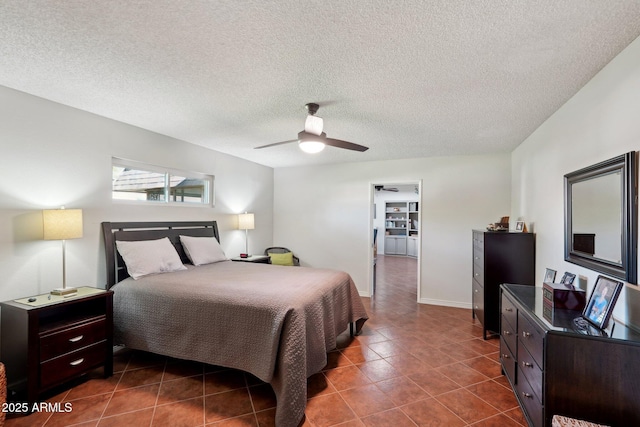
(478,301)
(531,371)
(478,274)
(509,312)
(532,406)
(509,335)
(531,337)
(69,339)
(508,361)
(71,364)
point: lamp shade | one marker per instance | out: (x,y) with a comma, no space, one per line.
(62,224)
(245,221)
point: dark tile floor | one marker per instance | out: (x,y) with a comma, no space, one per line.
(413,365)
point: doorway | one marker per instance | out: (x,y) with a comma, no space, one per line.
(396,234)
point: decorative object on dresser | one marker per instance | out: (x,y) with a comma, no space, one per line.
(601,302)
(62,224)
(48,340)
(549,276)
(559,295)
(499,257)
(246,222)
(554,369)
(567,278)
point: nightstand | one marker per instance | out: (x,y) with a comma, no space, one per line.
(53,339)
(262,259)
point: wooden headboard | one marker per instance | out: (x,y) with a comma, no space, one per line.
(133,231)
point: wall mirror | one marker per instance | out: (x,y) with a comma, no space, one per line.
(600,220)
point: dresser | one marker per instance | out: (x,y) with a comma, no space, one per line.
(498,257)
(48,340)
(556,370)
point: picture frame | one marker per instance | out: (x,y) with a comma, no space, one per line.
(568,278)
(549,275)
(520,226)
(603,299)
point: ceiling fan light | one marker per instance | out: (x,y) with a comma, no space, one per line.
(313,125)
(311,147)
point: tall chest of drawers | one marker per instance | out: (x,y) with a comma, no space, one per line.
(555,370)
(499,257)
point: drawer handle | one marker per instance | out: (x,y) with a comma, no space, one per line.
(526,334)
(527,365)
(76,339)
(528,395)
(509,309)
(475,290)
(506,333)
(505,356)
(77,362)
(476,307)
(477,274)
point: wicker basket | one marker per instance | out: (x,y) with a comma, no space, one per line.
(560,421)
(3,392)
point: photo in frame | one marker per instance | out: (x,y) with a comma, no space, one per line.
(549,275)
(568,278)
(520,226)
(601,302)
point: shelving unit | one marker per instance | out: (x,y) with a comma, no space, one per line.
(401,228)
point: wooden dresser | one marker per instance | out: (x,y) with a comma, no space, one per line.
(499,257)
(556,370)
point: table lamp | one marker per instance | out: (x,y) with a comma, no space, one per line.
(62,224)
(246,223)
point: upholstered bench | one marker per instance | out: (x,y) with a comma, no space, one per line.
(560,421)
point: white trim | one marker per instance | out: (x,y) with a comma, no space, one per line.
(445,303)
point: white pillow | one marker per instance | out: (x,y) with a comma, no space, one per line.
(202,250)
(149,256)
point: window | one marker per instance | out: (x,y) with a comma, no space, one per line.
(147,183)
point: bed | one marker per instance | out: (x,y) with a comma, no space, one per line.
(275,322)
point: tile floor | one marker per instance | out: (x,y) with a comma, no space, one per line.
(413,365)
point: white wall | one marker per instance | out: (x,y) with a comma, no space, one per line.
(598,123)
(54,155)
(323,214)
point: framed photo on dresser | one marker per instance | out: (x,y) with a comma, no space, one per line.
(601,302)
(549,275)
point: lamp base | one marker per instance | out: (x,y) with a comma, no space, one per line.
(64,291)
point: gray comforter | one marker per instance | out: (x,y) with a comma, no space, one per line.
(278,323)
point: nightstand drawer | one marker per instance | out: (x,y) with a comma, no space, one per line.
(72,338)
(71,364)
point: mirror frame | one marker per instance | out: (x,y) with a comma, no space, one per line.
(627,269)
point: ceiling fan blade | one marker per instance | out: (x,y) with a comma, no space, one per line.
(275,143)
(345,144)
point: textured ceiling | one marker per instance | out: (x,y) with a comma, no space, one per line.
(411,78)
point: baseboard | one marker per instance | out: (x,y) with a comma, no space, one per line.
(455,304)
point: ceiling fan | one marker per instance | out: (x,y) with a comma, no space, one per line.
(312,139)
(383,188)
